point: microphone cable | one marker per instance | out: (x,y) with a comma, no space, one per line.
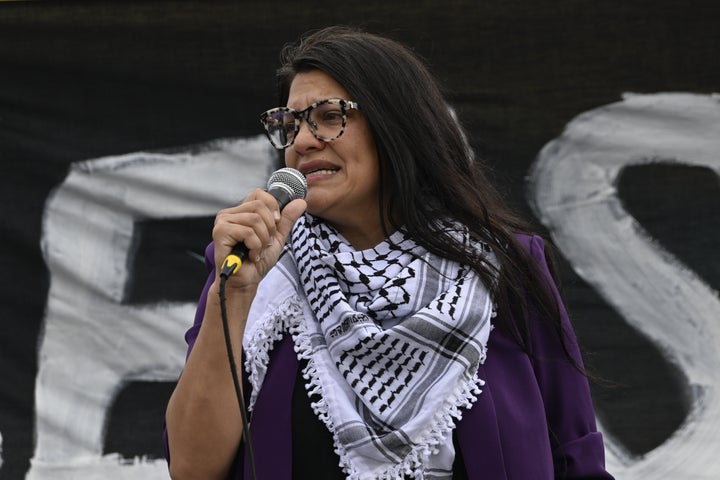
(236,379)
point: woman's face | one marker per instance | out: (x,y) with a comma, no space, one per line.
(342,175)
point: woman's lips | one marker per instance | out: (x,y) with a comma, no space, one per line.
(320,172)
(318,169)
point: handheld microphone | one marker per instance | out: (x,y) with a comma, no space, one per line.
(286,185)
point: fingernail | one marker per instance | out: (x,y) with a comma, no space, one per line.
(276,214)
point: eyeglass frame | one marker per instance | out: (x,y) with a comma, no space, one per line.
(300,115)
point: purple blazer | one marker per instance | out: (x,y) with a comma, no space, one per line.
(534,419)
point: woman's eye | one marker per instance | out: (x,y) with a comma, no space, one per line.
(332,116)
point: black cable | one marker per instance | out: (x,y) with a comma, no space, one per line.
(236,380)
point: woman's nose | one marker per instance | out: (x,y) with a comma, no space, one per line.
(305,139)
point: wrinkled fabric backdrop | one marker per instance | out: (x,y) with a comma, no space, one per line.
(124,126)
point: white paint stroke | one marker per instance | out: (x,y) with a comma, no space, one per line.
(573,189)
(92,344)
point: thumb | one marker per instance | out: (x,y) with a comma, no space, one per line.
(289,216)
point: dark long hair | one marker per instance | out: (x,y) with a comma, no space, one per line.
(428,172)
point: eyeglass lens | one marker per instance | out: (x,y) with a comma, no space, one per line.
(325,119)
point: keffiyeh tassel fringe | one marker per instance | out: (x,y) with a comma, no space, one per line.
(257,352)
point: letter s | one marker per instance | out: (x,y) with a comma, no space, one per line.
(573,190)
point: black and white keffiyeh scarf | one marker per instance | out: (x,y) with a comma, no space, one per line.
(393,337)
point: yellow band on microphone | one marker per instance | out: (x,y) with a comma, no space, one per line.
(231,265)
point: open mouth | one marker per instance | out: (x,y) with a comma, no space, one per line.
(321,171)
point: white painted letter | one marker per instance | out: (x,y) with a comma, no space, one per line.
(573,189)
(92,344)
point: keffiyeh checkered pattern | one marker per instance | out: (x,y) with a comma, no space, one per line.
(393,337)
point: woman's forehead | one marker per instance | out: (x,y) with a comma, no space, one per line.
(313,86)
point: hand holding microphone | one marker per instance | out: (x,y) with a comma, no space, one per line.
(285,185)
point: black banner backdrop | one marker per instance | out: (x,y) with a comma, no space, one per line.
(125,125)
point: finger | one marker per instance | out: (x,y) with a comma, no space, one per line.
(270,202)
(251,224)
(249,204)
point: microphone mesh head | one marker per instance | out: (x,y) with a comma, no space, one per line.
(290,180)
